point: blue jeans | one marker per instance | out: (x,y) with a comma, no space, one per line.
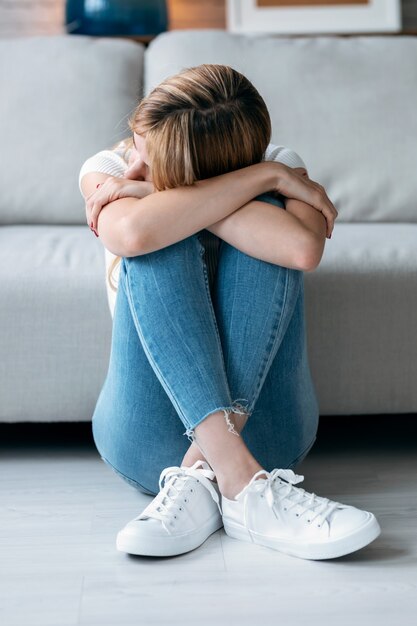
(183,348)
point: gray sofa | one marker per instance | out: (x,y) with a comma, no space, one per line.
(346,105)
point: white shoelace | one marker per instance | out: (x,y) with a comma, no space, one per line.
(166,503)
(273,488)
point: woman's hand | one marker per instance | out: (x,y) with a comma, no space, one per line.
(295,183)
(114,188)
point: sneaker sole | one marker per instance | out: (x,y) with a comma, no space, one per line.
(364,535)
(170,545)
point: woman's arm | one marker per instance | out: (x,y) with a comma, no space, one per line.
(314,220)
(129,227)
(292,238)
(115,227)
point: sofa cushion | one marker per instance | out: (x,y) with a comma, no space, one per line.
(346,105)
(360,315)
(64,98)
(55,321)
(362,326)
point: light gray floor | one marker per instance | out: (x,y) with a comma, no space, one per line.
(61,507)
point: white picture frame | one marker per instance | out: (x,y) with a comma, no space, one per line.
(245,16)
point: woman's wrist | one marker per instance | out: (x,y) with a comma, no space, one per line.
(148,188)
(273,177)
(136,188)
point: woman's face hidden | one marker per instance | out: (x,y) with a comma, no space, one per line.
(138,161)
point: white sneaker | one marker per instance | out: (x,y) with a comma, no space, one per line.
(184,513)
(273,513)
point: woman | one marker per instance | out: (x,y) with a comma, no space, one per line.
(211,228)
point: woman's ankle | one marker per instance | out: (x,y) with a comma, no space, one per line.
(233,480)
(227,453)
(193,455)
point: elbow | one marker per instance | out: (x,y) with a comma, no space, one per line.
(120,235)
(134,243)
(310,254)
(310,264)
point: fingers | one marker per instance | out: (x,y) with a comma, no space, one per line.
(295,183)
(319,199)
(88,217)
(105,193)
(93,217)
(94,204)
(323,204)
(95,212)
(330,213)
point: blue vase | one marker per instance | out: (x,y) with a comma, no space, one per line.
(116,17)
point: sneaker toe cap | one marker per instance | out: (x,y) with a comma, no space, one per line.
(145,527)
(348,519)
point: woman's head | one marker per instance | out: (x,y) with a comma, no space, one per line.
(205,121)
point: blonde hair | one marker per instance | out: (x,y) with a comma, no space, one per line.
(203,122)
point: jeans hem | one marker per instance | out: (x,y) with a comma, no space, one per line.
(235,407)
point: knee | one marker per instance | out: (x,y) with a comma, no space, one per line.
(295,276)
(294,284)
(126,460)
(136,482)
(174,250)
(271,199)
(303,454)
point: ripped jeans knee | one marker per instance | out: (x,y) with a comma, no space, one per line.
(235,407)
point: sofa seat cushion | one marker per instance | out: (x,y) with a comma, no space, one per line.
(361,305)
(360,316)
(56,325)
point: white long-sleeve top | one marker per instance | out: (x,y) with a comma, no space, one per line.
(114,162)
